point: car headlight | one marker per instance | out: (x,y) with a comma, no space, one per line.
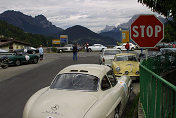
(137,72)
(126,72)
(118,69)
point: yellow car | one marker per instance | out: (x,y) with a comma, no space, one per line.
(126,64)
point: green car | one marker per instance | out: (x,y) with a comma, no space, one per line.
(19,58)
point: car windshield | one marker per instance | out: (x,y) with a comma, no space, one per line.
(125,58)
(75,81)
(111,52)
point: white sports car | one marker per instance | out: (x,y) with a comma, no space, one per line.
(108,55)
(81,91)
(96,47)
(122,46)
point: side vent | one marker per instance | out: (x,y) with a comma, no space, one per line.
(73,70)
(84,71)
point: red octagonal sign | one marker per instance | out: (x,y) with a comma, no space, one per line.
(146,31)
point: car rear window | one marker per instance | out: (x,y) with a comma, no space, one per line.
(75,81)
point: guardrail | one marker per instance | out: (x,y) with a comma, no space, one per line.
(157,96)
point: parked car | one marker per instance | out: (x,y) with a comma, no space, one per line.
(81,91)
(96,47)
(18,58)
(66,48)
(161,45)
(122,46)
(126,64)
(107,56)
(2,51)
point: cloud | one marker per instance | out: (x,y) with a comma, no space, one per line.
(94,14)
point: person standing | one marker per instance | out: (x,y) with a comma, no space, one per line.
(41,52)
(87,47)
(75,51)
(127,46)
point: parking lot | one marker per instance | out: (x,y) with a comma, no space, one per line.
(18,83)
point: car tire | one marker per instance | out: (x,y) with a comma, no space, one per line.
(17,62)
(116,114)
(119,49)
(35,61)
(60,51)
(132,49)
(4,66)
(90,50)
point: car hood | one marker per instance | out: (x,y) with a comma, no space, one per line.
(62,104)
(130,66)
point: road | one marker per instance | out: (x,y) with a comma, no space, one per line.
(17,84)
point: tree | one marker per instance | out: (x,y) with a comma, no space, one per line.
(168,9)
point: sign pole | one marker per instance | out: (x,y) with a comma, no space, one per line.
(146,54)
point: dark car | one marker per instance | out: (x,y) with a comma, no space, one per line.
(18,58)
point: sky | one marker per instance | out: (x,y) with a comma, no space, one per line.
(93,14)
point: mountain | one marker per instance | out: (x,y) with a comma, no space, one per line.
(81,35)
(36,25)
(107,28)
(116,34)
(10,31)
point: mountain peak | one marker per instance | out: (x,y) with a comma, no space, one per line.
(40,17)
(36,25)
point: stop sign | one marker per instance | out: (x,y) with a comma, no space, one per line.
(146,31)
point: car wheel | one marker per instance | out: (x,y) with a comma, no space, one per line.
(132,49)
(17,63)
(35,61)
(119,48)
(4,66)
(90,50)
(116,114)
(60,51)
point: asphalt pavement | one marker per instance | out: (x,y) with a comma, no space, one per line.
(17,84)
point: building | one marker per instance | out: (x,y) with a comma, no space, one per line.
(10,44)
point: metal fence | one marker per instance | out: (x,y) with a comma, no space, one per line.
(157,96)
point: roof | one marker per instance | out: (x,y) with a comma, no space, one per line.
(91,69)
(4,42)
(123,54)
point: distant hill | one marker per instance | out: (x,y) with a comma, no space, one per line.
(36,25)
(81,35)
(10,31)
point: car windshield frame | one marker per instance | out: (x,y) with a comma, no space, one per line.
(61,82)
(110,52)
(125,58)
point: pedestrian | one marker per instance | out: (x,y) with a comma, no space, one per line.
(127,46)
(41,52)
(75,51)
(87,45)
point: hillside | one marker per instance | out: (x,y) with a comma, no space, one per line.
(36,25)
(35,40)
(81,35)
